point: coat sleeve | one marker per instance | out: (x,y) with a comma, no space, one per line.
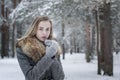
(33,72)
(57,70)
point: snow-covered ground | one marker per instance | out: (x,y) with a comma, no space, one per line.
(74,66)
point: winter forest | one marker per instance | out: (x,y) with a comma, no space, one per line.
(87,30)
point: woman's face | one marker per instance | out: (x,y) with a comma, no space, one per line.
(43,30)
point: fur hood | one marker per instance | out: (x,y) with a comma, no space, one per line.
(33,48)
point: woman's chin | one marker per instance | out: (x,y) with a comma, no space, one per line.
(43,40)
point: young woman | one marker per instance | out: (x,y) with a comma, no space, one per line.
(38,54)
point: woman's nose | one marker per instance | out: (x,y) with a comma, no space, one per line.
(44,32)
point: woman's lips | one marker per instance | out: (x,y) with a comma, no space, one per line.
(44,37)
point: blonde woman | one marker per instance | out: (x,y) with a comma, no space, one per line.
(38,54)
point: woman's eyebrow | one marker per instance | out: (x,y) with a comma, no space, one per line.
(41,27)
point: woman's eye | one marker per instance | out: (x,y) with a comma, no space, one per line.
(47,29)
(40,29)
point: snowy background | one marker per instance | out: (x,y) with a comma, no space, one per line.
(74,15)
(75,68)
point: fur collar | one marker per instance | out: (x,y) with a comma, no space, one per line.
(32,47)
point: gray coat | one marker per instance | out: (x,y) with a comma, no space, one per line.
(45,69)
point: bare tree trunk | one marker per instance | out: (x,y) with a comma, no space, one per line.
(71,44)
(74,43)
(108,41)
(88,53)
(106,57)
(63,46)
(2,45)
(89,48)
(13,33)
(2,6)
(5,40)
(5,33)
(95,13)
(92,41)
(13,41)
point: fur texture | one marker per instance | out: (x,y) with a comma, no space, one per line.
(33,48)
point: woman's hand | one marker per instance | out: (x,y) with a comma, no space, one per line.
(51,48)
